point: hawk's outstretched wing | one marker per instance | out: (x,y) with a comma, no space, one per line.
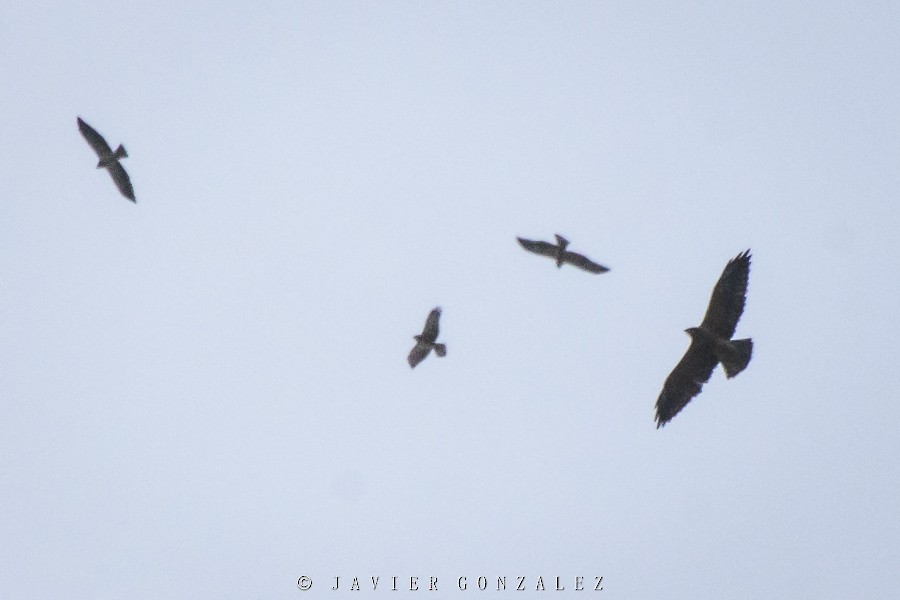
(123,182)
(94,139)
(542,248)
(685,381)
(418,353)
(430,331)
(583,262)
(727,301)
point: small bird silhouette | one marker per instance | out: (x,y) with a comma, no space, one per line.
(559,253)
(109,160)
(426,340)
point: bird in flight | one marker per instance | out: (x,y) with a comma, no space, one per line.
(109,160)
(426,340)
(711,342)
(559,253)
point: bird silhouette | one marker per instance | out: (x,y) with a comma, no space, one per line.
(109,160)
(559,253)
(425,341)
(711,342)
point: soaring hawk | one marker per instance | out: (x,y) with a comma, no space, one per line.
(426,340)
(559,253)
(109,160)
(711,343)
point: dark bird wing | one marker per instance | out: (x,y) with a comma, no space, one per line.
(418,354)
(94,139)
(685,381)
(542,248)
(728,297)
(123,182)
(430,331)
(583,262)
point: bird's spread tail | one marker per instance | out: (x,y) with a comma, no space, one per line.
(735,355)
(440,349)
(120,152)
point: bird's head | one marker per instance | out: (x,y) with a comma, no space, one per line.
(418,338)
(561,241)
(692,331)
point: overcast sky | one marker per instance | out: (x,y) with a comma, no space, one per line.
(206,394)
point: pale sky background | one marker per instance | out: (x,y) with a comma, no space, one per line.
(206,395)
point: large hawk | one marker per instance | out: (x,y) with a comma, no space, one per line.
(559,253)
(711,343)
(426,340)
(109,160)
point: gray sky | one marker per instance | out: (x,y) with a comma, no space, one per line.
(206,395)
